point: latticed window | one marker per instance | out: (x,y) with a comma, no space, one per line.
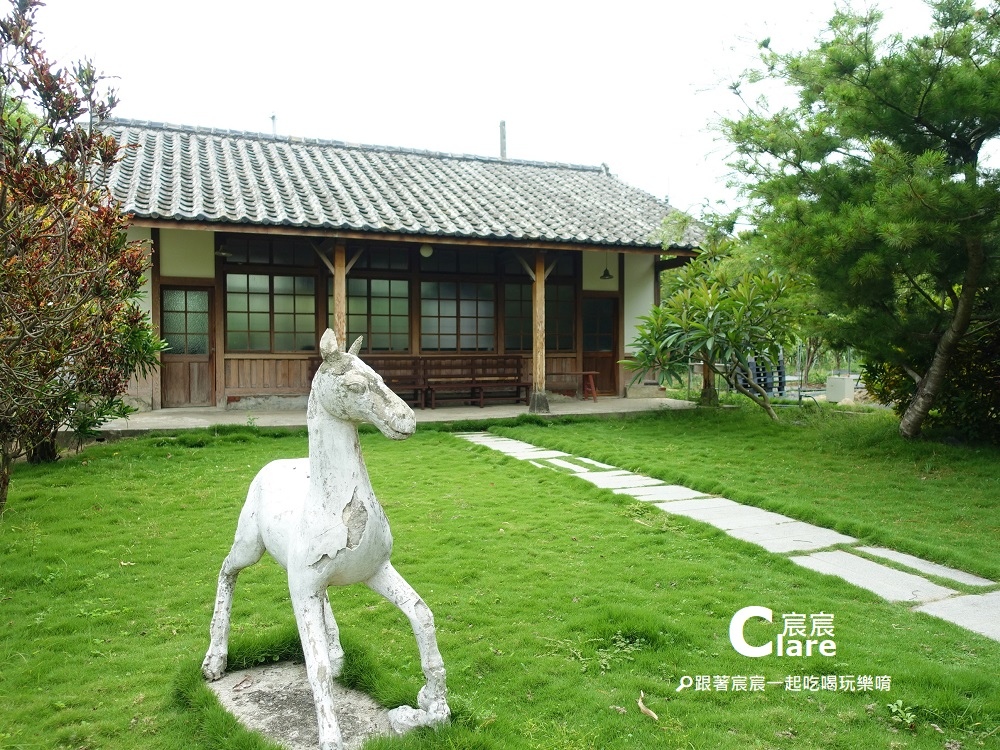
(560,317)
(278,251)
(259,304)
(467,262)
(457,316)
(375,258)
(270,294)
(248,312)
(517,317)
(598,325)
(379,311)
(185,321)
(294,313)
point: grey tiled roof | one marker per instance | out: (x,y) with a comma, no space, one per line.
(221,176)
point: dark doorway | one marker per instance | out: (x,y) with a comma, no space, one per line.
(600,342)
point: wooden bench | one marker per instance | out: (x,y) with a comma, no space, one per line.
(404,375)
(451,379)
(472,379)
(475,379)
(501,378)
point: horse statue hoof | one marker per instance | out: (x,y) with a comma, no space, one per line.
(436,708)
(405,718)
(213,667)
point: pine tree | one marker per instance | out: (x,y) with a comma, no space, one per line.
(873,184)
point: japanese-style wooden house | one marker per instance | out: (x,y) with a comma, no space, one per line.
(261,242)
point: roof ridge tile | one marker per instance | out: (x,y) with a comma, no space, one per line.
(313,141)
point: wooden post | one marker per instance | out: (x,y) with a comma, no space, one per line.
(340,294)
(539,403)
(155,316)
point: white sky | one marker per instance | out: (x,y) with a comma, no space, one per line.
(636,85)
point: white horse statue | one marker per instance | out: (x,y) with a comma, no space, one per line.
(318,517)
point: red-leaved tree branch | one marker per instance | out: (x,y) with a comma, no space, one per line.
(71,331)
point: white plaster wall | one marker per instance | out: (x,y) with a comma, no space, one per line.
(140,392)
(187,252)
(143,234)
(593,267)
(640,281)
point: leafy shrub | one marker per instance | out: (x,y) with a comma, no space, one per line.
(969,402)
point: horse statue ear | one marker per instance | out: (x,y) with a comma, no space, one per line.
(328,345)
(356,346)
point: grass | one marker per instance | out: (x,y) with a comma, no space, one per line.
(839,468)
(556,604)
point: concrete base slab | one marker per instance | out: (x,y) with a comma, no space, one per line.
(513,448)
(276,701)
(660,493)
(929,568)
(505,445)
(772,531)
(703,503)
(979,613)
(889,583)
(569,465)
(740,517)
(795,536)
(592,462)
(610,480)
(535,455)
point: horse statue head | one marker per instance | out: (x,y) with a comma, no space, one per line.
(349,390)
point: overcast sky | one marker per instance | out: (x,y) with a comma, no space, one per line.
(635,85)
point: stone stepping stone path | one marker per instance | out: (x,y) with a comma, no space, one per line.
(904,581)
(889,583)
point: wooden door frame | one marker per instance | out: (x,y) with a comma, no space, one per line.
(193,285)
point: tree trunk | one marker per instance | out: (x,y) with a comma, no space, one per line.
(45,451)
(761,400)
(930,384)
(813,344)
(6,463)
(758,395)
(709,393)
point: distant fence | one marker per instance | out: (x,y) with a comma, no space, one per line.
(768,375)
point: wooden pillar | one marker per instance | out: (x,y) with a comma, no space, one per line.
(539,403)
(155,315)
(219,325)
(340,294)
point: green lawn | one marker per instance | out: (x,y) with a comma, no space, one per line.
(838,468)
(556,604)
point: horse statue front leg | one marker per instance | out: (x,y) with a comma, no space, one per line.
(310,608)
(247,549)
(433,697)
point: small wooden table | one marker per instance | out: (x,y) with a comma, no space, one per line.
(587,379)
